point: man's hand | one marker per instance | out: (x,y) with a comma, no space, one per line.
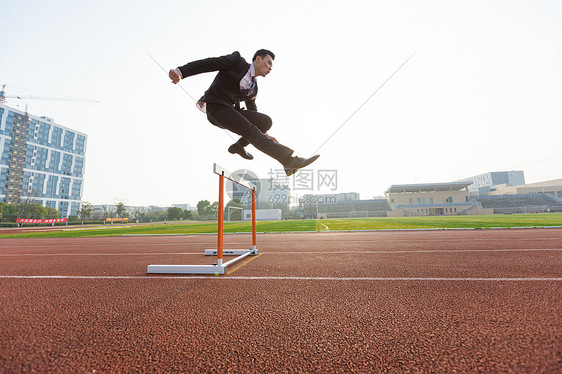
(174,76)
(272,138)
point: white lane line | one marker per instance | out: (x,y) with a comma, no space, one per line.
(93,228)
(273,252)
(145,244)
(121,245)
(265,251)
(101,254)
(371,279)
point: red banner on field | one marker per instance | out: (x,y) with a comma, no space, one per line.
(28,220)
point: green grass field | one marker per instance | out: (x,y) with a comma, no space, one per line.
(406,223)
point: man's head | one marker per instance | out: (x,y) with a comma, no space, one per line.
(263,62)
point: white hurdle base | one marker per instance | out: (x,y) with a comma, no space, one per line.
(186,269)
(231,252)
(202,269)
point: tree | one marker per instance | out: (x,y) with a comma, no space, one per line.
(202,208)
(138,213)
(213,210)
(187,214)
(174,213)
(5,210)
(155,213)
(108,212)
(121,210)
(85,211)
(27,210)
(51,213)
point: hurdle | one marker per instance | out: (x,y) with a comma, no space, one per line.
(219,267)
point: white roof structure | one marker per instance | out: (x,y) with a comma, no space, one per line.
(427,187)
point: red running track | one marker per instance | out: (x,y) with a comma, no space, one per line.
(428,301)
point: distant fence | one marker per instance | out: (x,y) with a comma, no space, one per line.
(355,214)
(528,209)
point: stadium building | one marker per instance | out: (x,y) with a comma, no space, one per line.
(551,187)
(40,161)
(436,199)
(541,197)
(432,199)
(484,183)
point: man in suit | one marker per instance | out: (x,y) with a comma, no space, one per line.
(236,82)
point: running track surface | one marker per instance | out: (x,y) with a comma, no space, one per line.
(429,301)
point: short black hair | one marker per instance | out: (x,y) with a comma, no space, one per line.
(262,53)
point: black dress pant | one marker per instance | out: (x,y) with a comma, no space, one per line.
(251,126)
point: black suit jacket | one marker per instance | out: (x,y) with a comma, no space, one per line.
(225,89)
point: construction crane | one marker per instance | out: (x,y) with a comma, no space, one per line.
(3,97)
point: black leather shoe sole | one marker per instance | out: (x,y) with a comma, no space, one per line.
(241,151)
(299,163)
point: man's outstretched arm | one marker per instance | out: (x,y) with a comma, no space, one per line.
(204,66)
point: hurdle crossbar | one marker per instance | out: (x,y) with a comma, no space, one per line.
(219,267)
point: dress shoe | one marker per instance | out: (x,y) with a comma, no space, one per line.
(235,148)
(296,163)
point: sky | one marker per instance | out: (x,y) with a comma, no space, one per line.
(481,92)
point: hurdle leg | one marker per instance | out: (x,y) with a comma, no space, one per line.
(254,234)
(220,219)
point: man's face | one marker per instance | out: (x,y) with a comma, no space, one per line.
(263,65)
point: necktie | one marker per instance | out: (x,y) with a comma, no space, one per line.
(244,92)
